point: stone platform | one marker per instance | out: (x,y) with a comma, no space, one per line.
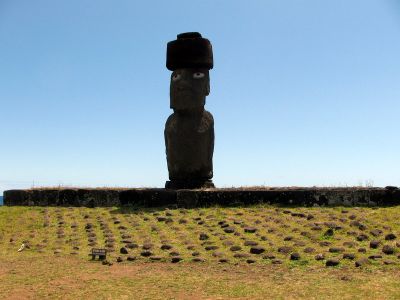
(154,197)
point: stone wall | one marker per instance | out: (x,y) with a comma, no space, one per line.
(207,197)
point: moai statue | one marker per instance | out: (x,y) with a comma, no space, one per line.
(189,131)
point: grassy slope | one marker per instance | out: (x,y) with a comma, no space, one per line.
(38,272)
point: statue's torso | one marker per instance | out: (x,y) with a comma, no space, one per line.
(189,145)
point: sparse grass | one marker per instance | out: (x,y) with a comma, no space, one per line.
(366,186)
(74,187)
(40,272)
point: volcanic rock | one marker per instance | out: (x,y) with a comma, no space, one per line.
(203,237)
(250,243)
(166,247)
(146,253)
(250,229)
(376,232)
(236,248)
(309,250)
(336,250)
(361,262)
(390,236)
(285,249)
(387,249)
(332,262)
(374,244)
(362,237)
(257,250)
(295,256)
(350,256)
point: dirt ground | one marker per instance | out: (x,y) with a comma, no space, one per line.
(39,277)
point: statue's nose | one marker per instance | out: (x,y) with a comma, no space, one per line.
(182,86)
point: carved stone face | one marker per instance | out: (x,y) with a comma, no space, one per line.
(189,88)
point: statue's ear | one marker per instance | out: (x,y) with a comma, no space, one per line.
(208,88)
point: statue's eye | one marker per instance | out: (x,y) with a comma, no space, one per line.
(198,75)
(176,77)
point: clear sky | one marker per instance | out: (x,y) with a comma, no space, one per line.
(303,92)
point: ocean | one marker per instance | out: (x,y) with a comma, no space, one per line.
(1,200)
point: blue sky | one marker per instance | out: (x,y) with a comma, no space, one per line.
(303,92)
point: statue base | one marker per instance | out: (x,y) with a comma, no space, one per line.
(189,184)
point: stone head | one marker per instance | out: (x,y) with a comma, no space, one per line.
(189,88)
(190,58)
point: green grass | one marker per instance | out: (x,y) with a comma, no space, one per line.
(40,273)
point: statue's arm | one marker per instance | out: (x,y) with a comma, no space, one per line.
(212,139)
(167,125)
(166,141)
